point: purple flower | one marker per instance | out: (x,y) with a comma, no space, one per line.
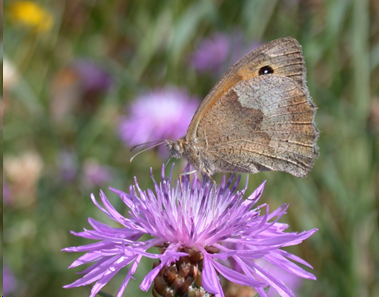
(77,89)
(160,114)
(219,51)
(96,174)
(6,194)
(68,166)
(93,77)
(193,219)
(211,53)
(290,280)
(9,281)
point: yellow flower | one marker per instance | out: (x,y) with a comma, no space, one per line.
(30,14)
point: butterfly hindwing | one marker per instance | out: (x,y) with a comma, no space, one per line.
(263,123)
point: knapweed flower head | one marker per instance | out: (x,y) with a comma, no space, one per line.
(30,14)
(203,231)
(158,114)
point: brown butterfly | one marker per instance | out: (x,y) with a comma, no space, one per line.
(258,117)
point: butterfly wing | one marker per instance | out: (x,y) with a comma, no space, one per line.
(262,123)
(284,56)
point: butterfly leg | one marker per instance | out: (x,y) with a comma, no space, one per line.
(210,177)
(183,174)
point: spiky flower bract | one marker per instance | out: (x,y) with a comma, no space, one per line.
(229,232)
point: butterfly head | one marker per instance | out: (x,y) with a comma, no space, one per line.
(175,148)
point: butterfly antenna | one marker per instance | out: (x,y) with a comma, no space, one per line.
(146,149)
(144,143)
(168,161)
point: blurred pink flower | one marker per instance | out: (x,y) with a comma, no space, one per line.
(211,53)
(68,166)
(9,281)
(6,194)
(90,174)
(76,89)
(96,174)
(93,77)
(159,114)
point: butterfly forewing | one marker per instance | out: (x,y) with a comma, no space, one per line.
(283,55)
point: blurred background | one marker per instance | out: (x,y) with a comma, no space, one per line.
(85,80)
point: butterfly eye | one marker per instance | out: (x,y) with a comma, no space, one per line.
(266,70)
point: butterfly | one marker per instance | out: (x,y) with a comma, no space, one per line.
(258,117)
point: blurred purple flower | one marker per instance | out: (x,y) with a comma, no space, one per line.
(76,90)
(220,51)
(192,217)
(93,77)
(96,174)
(68,166)
(9,281)
(159,114)
(211,53)
(92,173)
(6,194)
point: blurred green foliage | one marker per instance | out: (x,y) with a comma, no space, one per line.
(146,44)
